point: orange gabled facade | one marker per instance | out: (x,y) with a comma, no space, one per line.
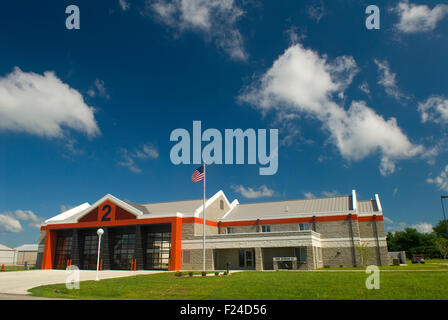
(108,214)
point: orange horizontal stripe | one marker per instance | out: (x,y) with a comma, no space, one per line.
(199,220)
(370,218)
(286,220)
(116,223)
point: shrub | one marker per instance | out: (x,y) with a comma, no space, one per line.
(216,273)
(178,274)
(340,266)
(226,273)
(190,273)
(204,273)
(355,265)
(327,266)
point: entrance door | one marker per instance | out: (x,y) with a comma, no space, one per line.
(246,258)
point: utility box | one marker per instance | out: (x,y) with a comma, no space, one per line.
(285,263)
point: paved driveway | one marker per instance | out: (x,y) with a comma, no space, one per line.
(18,282)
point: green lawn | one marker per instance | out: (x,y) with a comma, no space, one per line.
(18,268)
(256,285)
(434,264)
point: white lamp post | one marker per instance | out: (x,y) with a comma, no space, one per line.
(99,232)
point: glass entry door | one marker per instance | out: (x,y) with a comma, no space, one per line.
(246,258)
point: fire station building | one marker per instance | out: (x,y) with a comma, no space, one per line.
(294,234)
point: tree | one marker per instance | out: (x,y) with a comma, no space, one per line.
(364,252)
(441,229)
(412,241)
(442,245)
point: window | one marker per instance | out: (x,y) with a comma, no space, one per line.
(158,245)
(221,204)
(304,226)
(246,258)
(63,250)
(266,228)
(90,250)
(301,254)
(185,256)
(230,230)
(123,250)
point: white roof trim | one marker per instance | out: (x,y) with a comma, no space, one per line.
(73,215)
(198,211)
(233,205)
(355,201)
(115,200)
(378,202)
(66,215)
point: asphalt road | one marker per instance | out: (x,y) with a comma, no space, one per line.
(14,285)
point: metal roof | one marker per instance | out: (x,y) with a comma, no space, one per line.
(304,206)
(27,247)
(367,206)
(5,248)
(185,206)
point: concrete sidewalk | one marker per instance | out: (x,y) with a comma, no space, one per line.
(19,282)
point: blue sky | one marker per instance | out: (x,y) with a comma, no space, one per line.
(88,112)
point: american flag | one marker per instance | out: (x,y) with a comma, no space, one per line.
(198,174)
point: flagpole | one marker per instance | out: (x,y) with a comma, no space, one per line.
(203,224)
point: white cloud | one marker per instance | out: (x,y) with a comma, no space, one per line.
(99,89)
(364,87)
(387,220)
(423,227)
(394,193)
(302,82)
(124,5)
(28,216)
(43,105)
(419,18)
(148,151)
(434,109)
(295,34)
(440,181)
(10,220)
(214,19)
(309,195)
(145,152)
(317,11)
(64,208)
(9,224)
(333,193)
(387,79)
(251,193)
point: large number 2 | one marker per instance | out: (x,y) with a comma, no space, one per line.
(106,209)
